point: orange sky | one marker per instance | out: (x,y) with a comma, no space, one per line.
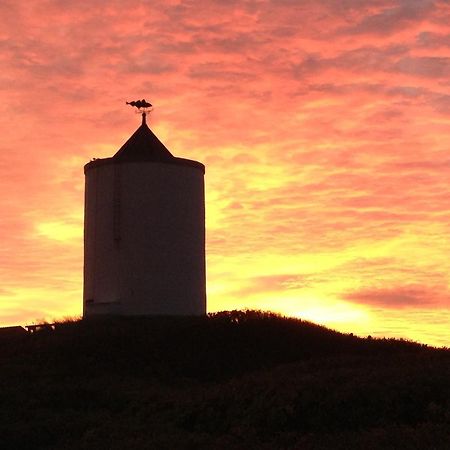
(324,126)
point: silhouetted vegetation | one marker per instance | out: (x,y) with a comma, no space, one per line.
(233,380)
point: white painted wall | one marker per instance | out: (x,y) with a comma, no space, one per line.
(144,239)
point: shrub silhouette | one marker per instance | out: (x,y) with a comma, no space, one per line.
(234,380)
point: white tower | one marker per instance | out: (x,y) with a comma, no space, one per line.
(144,231)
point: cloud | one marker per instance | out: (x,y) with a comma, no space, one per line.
(433,67)
(215,72)
(270,284)
(402,297)
(394,17)
(432,40)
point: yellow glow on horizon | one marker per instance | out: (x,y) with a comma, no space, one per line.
(21,305)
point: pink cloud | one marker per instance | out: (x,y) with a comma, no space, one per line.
(402,296)
(394,16)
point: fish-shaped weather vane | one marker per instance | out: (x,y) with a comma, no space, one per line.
(140,104)
(143,107)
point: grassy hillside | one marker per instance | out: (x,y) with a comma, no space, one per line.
(237,380)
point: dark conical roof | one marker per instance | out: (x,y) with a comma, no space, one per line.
(143,145)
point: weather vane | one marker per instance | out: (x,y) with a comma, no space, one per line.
(143,107)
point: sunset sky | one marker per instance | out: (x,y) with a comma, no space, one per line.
(324,126)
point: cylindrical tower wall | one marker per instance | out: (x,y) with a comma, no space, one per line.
(144,238)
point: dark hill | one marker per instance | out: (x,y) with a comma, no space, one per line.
(234,380)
